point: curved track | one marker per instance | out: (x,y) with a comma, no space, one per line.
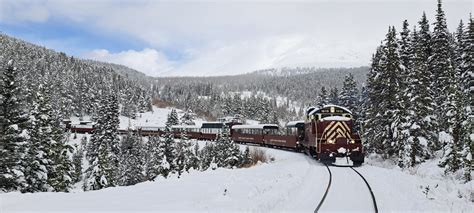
(329,186)
(327,190)
(370,189)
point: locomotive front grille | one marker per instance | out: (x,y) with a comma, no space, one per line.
(335,130)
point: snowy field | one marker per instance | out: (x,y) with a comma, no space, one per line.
(292,183)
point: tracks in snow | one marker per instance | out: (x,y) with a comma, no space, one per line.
(320,204)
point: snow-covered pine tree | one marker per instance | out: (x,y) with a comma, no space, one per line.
(102,152)
(467,82)
(323,97)
(194,158)
(131,165)
(227,152)
(447,88)
(12,123)
(77,163)
(334,96)
(403,112)
(60,172)
(167,144)
(444,76)
(414,149)
(349,98)
(39,162)
(207,155)
(188,118)
(181,154)
(172,118)
(458,152)
(425,105)
(374,120)
(156,153)
(384,91)
(349,93)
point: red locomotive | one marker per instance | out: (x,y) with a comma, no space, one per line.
(326,134)
(329,134)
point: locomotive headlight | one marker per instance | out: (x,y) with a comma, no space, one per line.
(331,141)
(353,141)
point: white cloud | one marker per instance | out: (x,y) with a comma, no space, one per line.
(236,36)
(238,57)
(148,61)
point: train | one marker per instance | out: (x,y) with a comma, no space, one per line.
(326,133)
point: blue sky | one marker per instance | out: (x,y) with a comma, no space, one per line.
(217,37)
(76,40)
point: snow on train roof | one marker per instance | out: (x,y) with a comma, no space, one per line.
(294,123)
(315,109)
(149,127)
(82,126)
(256,126)
(185,127)
(332,105)
(335,118)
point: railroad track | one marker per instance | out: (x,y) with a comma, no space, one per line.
(329,186)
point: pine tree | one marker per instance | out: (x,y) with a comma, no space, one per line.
(463,127)
(423,102)
(188,118)
(77,163)
(467,82)
(374,121)
(39,155)
(413,150)
(173,118)
(131,165)
(181,154)
(444,74)
(207,156)
(227,152)
(194,158)
(12,123)
(334,96)
(102,152)
(323,97)
(349,97)
(155,163)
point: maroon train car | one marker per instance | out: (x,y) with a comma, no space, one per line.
(265,135)
(192,132)
(150,130)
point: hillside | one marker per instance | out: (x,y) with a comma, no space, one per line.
(76,85)
(270,95)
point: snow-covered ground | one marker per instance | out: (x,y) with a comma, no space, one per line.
(292,183)
(155,118)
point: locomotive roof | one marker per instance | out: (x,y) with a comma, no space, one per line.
(257,126)
(318,110)
(335,118)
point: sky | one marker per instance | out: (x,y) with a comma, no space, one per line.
(208,38)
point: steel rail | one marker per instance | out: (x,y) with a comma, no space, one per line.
(327,190)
